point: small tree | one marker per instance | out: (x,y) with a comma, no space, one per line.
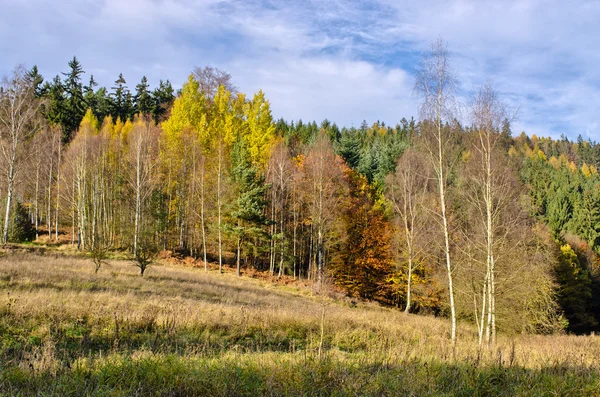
(98,248)
(21,229)
(145,254)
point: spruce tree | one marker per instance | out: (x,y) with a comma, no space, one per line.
(89,96)
(55,110)
(144,103)
(163,97)
(119,98)
(75,103)
(37,80)
(247,216)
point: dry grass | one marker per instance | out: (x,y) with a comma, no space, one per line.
(59,320)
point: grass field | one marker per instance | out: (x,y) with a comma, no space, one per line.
(179,331)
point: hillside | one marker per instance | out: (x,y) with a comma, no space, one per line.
(181,331)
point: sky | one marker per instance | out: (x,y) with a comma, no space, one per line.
(346,61)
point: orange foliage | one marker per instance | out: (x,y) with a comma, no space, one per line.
(366,262)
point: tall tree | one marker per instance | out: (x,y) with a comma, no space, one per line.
(324,188)
(248,215)
(120,97)
(143,154)
(19,120)
(75,103)
(436,84)
(493,192)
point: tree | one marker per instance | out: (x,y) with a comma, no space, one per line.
(37,80)
(145,254)
(75,103)
(248,216)
(143,99)
(19,120)
(210,79)
(281,172)
(21,229)
(55,108)
(163,97)
(406,189)
(492,193)
(436,83)
(143,154)
(120,97)
(574,290)
(365,261)
(325,188)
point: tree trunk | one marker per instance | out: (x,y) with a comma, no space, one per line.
(219,207)
(239,251)
(9,196)
(442,188)
(202,220)
(57,189)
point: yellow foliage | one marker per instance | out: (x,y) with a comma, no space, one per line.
(127,127)
(585,170)
(261,130)
(89,121)
(466,155)
(541,155)
(118,128)
(512,152)
(554,162)
(572,167)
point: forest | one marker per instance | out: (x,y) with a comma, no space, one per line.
(451,213)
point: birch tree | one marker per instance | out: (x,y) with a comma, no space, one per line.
(406,190)
(324,191)
(19,120)
(143,153)
(436,84)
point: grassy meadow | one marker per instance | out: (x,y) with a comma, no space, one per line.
(180,331)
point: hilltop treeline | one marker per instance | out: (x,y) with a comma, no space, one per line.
(431,216)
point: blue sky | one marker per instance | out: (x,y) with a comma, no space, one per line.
(342,60)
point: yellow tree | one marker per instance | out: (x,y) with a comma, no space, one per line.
(184,128)
(261,130)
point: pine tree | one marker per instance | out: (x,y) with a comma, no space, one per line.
(21,229)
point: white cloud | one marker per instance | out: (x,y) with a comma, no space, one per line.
(346,61)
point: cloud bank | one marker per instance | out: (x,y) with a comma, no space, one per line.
(345,61)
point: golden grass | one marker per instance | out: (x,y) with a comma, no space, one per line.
(58,314)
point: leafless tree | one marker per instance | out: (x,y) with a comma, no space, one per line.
(19,120)
(210,78)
